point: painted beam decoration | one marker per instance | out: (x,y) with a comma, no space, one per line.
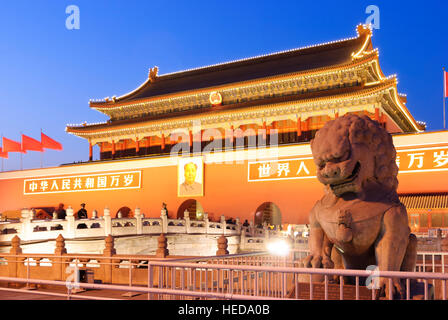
(408,161)
(90,182)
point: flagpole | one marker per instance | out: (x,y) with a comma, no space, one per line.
(2,150)
(444,98)
(42,152)
(21,159)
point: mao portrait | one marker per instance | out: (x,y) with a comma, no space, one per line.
(190,177)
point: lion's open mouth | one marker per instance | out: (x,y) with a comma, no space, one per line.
(349,179)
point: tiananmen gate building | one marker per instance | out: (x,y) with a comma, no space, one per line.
(233,139)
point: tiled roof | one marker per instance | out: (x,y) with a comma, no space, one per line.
(425,200)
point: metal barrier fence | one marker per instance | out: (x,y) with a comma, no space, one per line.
(256,276)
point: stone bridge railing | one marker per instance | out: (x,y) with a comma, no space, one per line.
(29,228)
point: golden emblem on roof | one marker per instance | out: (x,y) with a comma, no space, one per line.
(215,98)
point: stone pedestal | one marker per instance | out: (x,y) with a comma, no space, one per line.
(222,246)
(162,246)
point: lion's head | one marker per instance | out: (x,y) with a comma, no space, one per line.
(353,153)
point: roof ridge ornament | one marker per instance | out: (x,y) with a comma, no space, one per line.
(152,76)
(364,31)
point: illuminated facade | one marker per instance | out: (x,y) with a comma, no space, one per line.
(242,129)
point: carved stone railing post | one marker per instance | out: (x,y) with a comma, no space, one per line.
(162,246)
(15,260)
(206,222)
(70,217)
(108,253)
(94,214)
(222,246)
(266,230)
(55,215)
(164,217)
(251,229)
(187,221)
(238,225)
(138,220)
(27,228)
(224,224)
(58,261)
(243,239)
(107,222)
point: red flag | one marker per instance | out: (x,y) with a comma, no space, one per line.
(29,143)
(12,146)
(49,143)
(445,84)
(3,154)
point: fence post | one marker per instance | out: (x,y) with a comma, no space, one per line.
(108,252)
(70,223)
(107,222)
(138,220)
(13,261)
(58,261)
(164,217)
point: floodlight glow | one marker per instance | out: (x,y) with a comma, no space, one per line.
(278,247)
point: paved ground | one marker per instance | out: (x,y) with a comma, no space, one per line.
(56,293)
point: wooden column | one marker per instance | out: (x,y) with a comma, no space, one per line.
(383,119)
(336,115)
(299,126)
(137,145)
(265,133)
(113,149)
(377,114)
(163,141)
(190,137)
(90,151)
(305,125)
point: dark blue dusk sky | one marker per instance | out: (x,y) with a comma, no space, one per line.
(48,73)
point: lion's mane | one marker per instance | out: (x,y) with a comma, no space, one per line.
(353,129)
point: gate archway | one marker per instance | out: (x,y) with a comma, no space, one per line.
(268,212)
(126,212)
(194,208)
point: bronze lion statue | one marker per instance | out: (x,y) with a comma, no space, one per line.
(359,221)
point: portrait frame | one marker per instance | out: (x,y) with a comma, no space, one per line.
(196,189)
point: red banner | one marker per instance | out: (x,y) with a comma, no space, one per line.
(49,143)
(31,144)
(12,146)
(445,84)
(3,154)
